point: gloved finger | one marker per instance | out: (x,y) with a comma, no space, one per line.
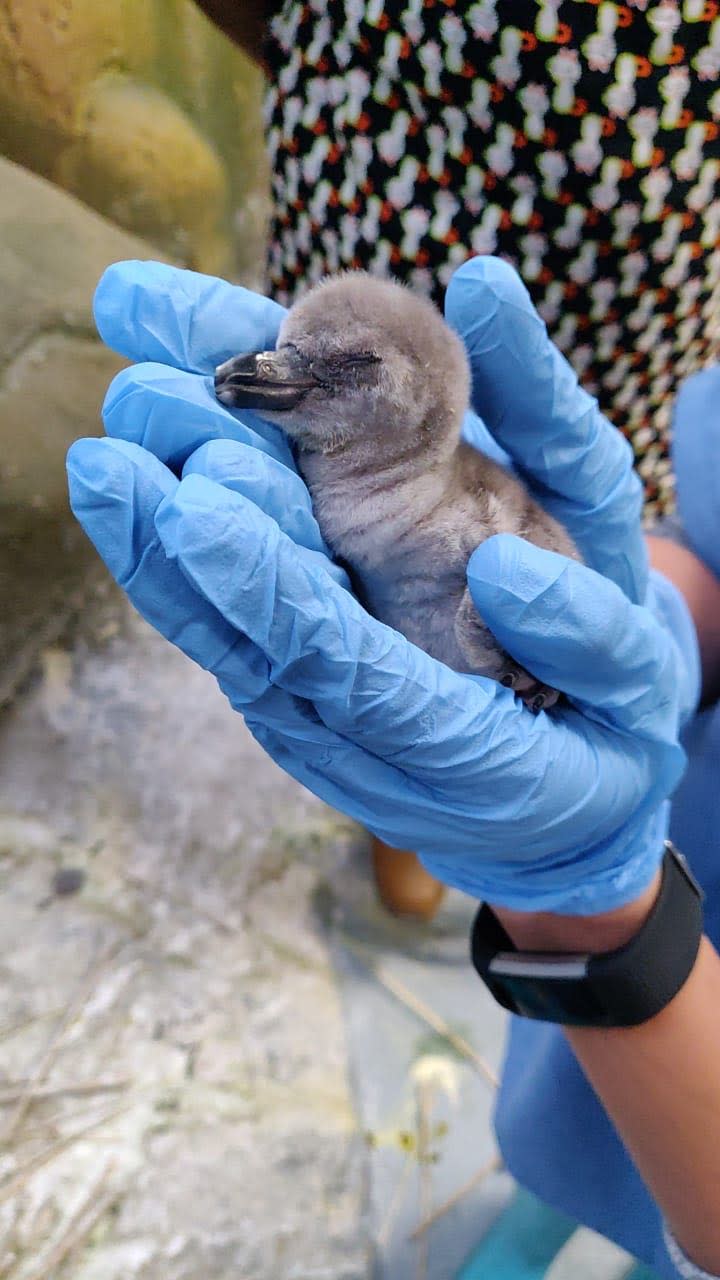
(578,632)
(115,489)
(379,795)
(669,606)
(584,883)
(696,459)
(372,686)
(272,487)
(319,642)
(171,413)
(501,815)
(152,311)
(529,397)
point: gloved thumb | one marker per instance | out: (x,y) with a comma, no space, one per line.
(577,631)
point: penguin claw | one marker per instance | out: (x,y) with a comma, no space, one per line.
(534,694)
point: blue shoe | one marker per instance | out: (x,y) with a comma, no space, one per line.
(522,1243)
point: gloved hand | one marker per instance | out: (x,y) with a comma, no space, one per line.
(563,811)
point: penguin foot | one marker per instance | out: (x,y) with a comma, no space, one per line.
(536,695)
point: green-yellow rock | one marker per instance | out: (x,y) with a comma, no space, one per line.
(49,53)
(139,160)
(146,112)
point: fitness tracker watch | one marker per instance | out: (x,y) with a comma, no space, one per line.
(620,988)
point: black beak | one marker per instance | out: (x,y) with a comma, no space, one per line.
(265,380)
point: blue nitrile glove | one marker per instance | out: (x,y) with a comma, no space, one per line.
(561,811)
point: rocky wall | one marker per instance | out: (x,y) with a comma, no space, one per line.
(53,375)
(143,110)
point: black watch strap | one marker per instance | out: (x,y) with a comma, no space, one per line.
(619,988)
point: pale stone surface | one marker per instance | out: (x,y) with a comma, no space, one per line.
(198,975)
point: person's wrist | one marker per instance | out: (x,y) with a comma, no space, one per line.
(548,931)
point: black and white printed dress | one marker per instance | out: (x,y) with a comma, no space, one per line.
(579,139)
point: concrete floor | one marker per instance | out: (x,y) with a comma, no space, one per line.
(216,1052)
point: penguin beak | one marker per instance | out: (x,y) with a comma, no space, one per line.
(265,380)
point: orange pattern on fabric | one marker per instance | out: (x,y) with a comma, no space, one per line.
(577,138)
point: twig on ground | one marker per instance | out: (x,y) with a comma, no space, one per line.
(12,1090)
(491,1167)
(423,1112)
(16,1181)
(426,1013)
(78,1228)
(69,1015)
(13,1028)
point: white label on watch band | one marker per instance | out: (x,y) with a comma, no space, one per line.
(527,965)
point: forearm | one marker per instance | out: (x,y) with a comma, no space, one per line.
(701,590)
(242,20)
(659,1082)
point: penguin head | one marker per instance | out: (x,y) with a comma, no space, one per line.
(359,362)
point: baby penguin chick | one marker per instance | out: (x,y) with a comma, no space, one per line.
(370,385)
